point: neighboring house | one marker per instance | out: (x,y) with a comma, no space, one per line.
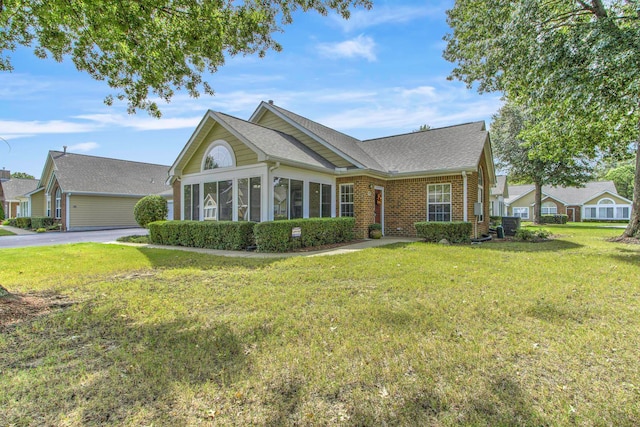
(595,201)
(13,193)
(499,193)
(92,193)
(279,165)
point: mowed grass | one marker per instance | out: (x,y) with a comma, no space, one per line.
(411,334)
(5,232)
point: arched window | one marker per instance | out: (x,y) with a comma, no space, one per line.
(58,203)
(219,155)
(606,209)
(549,208)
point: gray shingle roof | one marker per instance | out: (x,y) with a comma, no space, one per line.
(449,148)
(274,143)
(345,144)
(17,187)
(90,174)
(499,188)
(569,195)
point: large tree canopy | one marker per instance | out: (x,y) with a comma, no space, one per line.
(575,64)
(150,47)
(514,155)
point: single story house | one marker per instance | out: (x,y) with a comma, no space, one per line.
(13,192)
(499,193)
(280,165)
(94,193)
(597,200)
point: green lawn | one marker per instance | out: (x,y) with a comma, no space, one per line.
(411,334)
(5,232)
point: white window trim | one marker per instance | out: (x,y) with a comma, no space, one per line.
(524,208)
(440,203)
(218,142)
(353,203)
(58,204)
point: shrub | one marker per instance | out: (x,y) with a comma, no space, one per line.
(494,221)
(41,230)
(375,227)
(1,212)
(554,219)
(23,222)
(12,222)
(149,209)
(275,236)
(203,234)
(41,222)
(454,232)
(527,235)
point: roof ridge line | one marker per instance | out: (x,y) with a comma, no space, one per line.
(421,131)
(108,158)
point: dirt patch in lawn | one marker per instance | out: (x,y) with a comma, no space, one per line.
(16,307)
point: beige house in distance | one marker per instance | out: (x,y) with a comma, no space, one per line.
(84,192)
(596,201)
(13,194)
(280,165)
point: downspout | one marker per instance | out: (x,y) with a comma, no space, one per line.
(464,197)
(66,212)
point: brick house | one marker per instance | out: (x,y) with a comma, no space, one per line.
(13,193)
(84,192)
(279,165)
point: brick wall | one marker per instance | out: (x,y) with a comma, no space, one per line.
(405,201)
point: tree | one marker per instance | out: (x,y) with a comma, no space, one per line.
(517,156)
(22,175)
(574,64)
(623,177)
(150,47)
(422,128)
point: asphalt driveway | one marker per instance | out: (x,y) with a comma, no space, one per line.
(60,238)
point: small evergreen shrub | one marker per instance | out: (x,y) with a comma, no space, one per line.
(41,222)
(275,236)
(454,232)
(12,222)
(23,222)
(527,235)
(1,212)
(554,219)
(226,235)
(149,209)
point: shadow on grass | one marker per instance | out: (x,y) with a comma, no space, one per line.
(547,246)
(95,367)
(629,256)
(176,258)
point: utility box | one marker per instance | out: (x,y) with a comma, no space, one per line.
(477,209)
(510,224)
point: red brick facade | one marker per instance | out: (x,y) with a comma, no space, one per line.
(405,201)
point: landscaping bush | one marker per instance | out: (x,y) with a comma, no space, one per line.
(1,212)
(41,222)
(150,209)
(527,235)
(12,222)
(23,222)
(554,219)
(275,236)
(454,232)
(495,221)
(226,235)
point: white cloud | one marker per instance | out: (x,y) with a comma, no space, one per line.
(383,15)
(84,147)
(18,129)
(362,46)
(420,91)
(140,123)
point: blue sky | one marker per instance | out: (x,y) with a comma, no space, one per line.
(380,73)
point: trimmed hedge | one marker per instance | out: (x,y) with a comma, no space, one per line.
(275,236)
(23,222)
(454,232)
(41,222)
(225,235)
(553,219)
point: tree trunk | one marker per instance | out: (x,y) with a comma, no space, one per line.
(537,204)
(633,229)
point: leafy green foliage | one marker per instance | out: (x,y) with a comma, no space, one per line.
(554,219)
(23,222)
(41,222)
(529,235)
(454,232)
(1,212)
(150,48)
(149,209)
(574,64)
(228,235)
(275,236)
(623,177)
(21,175)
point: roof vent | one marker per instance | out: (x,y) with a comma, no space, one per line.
(64,147)
(271,101)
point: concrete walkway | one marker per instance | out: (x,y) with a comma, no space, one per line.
(17,231)
(358,246)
